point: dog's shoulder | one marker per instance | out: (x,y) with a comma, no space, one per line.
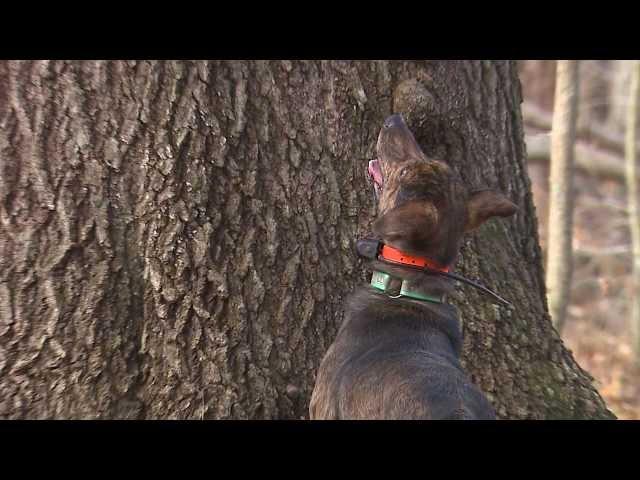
(385,383)
(396,363)
(370,315)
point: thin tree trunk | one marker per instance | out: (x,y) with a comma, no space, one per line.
(589,160)
(620,77)
(559,257)
(633,200)
(177,237)
(595,135)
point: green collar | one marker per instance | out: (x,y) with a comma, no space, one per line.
(381,280)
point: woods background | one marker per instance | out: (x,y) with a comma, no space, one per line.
(597,328)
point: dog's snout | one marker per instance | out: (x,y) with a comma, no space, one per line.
(394,121)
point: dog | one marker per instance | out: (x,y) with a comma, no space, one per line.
(397,352)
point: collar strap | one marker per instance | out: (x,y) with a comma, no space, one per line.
(374,249)
(381,281)
(394,255)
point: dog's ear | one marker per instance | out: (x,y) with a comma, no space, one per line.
(407,226)
(484,204)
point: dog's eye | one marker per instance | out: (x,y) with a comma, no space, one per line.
(404,171)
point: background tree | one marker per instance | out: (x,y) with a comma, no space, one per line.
(563,134)
(177,237)
(597,329)
(633,203)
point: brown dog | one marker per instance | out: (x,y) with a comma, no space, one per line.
(396,356)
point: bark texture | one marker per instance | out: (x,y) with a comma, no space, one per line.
(560,235)
(633,203)
(176,238)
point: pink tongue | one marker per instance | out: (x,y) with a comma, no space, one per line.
(375,172)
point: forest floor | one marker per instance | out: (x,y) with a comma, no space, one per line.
(597,330)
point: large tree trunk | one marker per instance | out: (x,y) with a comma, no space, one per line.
(177,237)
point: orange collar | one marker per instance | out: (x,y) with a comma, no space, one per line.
(394,255)
(374,249)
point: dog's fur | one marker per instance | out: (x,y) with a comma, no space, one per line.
(399,358)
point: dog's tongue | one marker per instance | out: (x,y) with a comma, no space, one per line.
(374,171)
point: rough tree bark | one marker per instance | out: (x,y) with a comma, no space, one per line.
(560,234)
(177,237)
(633,203)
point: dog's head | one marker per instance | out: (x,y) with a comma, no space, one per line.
(423,207)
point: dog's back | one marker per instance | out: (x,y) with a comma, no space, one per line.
(392,361)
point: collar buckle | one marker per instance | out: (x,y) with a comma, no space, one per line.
(381,281)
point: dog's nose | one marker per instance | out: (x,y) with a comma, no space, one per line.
(394,121)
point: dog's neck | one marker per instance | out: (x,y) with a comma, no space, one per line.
(401,274)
